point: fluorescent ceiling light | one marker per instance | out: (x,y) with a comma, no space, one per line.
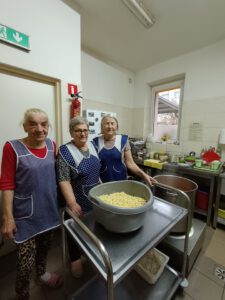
(138,9)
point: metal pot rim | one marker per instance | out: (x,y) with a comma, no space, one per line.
(121,210)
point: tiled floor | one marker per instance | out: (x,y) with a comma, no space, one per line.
(203,283)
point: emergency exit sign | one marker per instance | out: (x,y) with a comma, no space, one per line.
(14,37)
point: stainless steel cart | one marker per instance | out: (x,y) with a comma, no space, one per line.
(114,255)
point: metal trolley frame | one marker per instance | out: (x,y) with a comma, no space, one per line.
(114,255)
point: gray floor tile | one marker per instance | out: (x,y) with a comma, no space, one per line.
(206,266)
(183,296)
(202,288)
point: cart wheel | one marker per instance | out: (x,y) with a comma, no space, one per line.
(184,283)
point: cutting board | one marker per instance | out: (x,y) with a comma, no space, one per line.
(154,163)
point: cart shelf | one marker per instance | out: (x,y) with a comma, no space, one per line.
(132,287)
(123,251)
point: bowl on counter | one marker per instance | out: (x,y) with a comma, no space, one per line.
(189,163)
(190,160)
(215,164)
(120,219)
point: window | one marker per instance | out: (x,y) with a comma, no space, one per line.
(167,111)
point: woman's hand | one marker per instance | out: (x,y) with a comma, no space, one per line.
(76,209)
(8,228)
(148,179)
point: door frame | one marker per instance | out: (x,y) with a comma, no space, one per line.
(55,82)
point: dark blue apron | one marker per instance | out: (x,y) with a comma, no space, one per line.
(35,205)
(87,169)
(112,165)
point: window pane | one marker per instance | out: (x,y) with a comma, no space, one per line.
(167,114)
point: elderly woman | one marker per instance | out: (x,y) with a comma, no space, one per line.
(29,200)
(78,171)
(115,153)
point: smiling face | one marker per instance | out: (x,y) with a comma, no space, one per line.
(80,135)
(36,125)
(109,127)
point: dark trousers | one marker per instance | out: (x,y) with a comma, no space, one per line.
(73,248)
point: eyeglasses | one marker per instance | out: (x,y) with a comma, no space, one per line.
(80,131)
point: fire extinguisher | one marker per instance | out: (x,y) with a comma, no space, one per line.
(75,108)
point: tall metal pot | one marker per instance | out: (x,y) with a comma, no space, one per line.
(184,184)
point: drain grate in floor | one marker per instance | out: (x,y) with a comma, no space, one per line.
(219,272)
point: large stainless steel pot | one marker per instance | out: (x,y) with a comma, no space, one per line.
(119,219)
(181,183)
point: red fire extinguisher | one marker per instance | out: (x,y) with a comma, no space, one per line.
(75,108)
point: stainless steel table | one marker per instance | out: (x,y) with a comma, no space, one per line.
(216,218)
(114,255)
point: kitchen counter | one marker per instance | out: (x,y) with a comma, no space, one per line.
(213,178)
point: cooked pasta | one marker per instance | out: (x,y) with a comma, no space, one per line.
(123,200)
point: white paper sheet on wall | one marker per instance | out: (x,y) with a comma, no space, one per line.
(195,132)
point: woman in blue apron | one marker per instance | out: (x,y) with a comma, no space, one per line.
(29,200)
(115,154)
(78,171)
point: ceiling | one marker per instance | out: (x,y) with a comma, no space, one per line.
(111,32)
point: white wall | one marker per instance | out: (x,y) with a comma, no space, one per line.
(107,87)
(54,30)
(204,93)
(106,83)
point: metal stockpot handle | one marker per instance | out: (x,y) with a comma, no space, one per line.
(171,194)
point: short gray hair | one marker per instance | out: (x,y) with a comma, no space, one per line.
(109,116)
(77,121)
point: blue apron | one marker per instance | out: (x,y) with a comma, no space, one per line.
(87,169)
(35,205)
(112,165)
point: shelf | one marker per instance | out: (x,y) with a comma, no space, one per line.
(132,287)
(221,220)
(201,211)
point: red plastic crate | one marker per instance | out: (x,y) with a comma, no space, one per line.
(202,200)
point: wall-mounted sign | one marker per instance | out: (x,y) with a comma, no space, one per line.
(72,89)
(195,132)
(14,37)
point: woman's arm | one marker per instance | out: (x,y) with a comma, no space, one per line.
(8,223)
(67,192)
(133,168)
(64,181)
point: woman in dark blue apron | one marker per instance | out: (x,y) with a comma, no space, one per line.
(29,196)
(115,154)
(78,169)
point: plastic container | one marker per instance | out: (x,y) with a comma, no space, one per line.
(198,163)
(215,164)
(221,213)
(202,199)
(152,265)
(120,219)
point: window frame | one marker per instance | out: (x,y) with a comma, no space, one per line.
(163,86)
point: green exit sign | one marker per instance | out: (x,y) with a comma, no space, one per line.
(14,37)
